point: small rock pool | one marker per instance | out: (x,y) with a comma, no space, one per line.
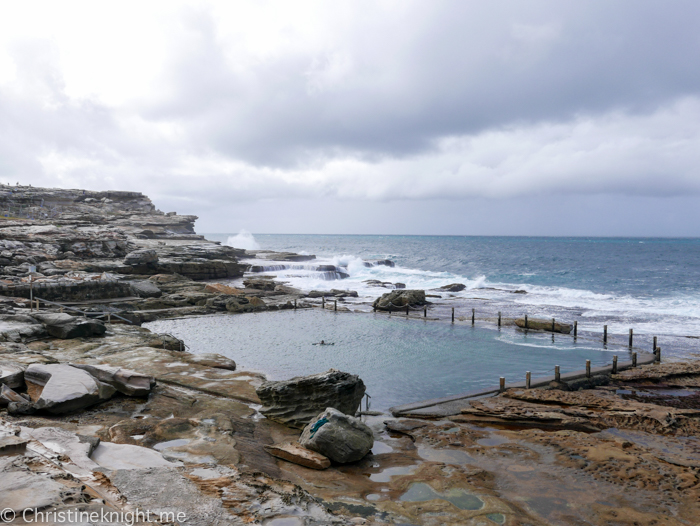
(400,360)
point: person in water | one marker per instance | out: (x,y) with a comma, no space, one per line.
(322,342)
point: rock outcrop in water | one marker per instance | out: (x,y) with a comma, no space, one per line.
(453,287)
(339,437)
(297,401)
(544,325)
(400,299)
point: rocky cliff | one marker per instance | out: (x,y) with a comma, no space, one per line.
(66,241)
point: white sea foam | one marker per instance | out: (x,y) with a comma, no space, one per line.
(243,239)
(676,315)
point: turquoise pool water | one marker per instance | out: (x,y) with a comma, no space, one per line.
(400,360)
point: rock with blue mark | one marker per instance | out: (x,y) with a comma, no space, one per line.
(340,437)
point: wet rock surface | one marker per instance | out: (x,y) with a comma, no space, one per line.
(294,452)
(298,401)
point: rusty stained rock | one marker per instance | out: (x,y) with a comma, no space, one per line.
(293,452)
(592,410)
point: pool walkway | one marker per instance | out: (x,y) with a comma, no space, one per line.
(453,405)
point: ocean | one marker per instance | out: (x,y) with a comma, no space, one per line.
(649,285)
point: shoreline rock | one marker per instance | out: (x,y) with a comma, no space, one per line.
(338,436)
(400,299)
(295,402)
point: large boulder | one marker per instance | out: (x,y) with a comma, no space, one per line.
(60,388)
(339,437)
(543,325)
(145,289)
(297,401)
(8,396)
(143,256)
(11,375)
(399,299)
(125,381)
(65,326)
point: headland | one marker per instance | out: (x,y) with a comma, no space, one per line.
(104,416)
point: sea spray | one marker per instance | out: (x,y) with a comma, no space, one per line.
(244,240)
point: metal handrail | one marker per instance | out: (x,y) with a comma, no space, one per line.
(86,314)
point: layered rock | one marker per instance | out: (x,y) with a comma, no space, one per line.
(143,256)
(62,389)
(339,437)
(65,326)
(12,374)
(72,237)
(294,452)
(297,401)
(126,382)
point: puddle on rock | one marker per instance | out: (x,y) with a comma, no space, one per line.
(284,521)
(493,440)
(380,448)
(385,475)
(421,492)
(188,457)
(498,518)
(446,456)
(373,496)
(172,443)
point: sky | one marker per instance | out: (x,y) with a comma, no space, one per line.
(453,117)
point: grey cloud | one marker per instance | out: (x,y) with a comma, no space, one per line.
(443,68)
(515,112)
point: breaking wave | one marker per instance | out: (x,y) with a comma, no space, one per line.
(244,240)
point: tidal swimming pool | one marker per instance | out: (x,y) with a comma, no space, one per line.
(400,360)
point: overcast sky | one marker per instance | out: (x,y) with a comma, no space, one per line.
(379,117)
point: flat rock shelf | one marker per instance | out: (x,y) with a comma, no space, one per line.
(400,360)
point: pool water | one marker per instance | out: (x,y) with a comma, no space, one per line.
(400,360)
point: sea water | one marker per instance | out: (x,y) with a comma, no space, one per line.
(400,360)
(651,285)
